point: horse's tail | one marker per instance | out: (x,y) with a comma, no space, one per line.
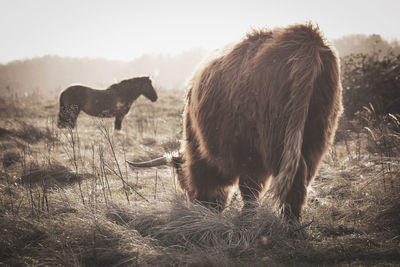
(303,47)
(62,120)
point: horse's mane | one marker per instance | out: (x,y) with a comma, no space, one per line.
(126,82)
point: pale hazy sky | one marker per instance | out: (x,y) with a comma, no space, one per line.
(122,29)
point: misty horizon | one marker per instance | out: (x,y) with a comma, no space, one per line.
(48,75)
(204,51)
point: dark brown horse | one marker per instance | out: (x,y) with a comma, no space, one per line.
(112,102)
(265,111)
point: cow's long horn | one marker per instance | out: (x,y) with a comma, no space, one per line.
(151,163)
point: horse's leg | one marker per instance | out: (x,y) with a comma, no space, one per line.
(118,122)
(119,116)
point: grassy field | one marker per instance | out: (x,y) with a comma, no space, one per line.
(67,198)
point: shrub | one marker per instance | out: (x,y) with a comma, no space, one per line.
(368,80)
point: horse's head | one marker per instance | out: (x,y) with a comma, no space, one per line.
(148,89)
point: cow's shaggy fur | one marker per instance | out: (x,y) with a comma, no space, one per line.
(266,110)
(112,102)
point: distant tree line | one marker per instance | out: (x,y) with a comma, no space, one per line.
(366,44)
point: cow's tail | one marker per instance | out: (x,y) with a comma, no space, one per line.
(302,46)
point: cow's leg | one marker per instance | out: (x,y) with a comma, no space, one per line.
(251,187)
(208,185)
(295,199)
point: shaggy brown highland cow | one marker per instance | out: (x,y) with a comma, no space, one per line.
(265,111)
